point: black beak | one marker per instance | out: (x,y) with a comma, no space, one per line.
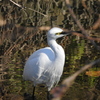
(65,33)
(70,32)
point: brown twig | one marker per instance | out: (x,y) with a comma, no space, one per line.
(78,23)
(86,7)
(81,35)
(89,38)
(57,92)
(16,4)
(17,42)
(27,8)
(96,24)
(84,4)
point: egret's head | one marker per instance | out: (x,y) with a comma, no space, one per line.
(56,33)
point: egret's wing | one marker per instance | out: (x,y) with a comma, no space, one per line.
(38,63)
(47,51)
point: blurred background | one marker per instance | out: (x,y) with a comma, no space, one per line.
(19,38)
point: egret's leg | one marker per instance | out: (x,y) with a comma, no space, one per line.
(48,95)
(34,93)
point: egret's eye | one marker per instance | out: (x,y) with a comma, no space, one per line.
(58,33)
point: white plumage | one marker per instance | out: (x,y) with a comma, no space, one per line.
(46,65)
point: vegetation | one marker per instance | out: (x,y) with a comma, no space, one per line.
(20,37)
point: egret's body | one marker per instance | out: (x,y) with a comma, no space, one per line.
(45,66)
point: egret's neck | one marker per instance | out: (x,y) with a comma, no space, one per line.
(58,50)
(53,44)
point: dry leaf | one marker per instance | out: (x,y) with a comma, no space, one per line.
(93,73)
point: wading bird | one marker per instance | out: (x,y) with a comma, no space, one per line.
(45,66)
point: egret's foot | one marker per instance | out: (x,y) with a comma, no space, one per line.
(33,98)
(48,96)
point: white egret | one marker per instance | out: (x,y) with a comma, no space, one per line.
(45,66)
